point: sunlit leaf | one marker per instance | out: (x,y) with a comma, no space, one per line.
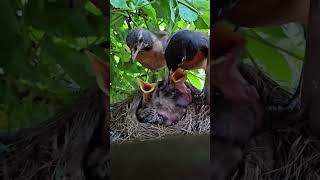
(187,12)
(122,4)
(270,60)
(194,81)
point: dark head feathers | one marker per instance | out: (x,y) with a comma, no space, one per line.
(185,43)
(139,35)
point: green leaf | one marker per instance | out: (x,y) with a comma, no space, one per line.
(187,12)
(45,66)
(4,120)
(162,8)
(47,16)
(150,12)
(121,4)
(92,8)
(76,64)
(271,61)
(201,24)
(206,18)
(195,79)
(36,34)
(172,11)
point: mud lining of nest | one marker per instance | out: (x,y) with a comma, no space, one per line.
(124,125)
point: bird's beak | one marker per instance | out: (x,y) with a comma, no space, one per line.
(134,53)
(178,76)
(147,89)
(132,57)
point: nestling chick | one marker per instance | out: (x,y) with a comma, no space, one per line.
(238,112)
(164,102)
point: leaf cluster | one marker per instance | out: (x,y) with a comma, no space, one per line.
(42,65)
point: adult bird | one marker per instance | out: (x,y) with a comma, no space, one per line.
(187,50)
(147,47)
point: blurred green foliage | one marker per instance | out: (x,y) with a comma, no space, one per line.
(41,67)
(278,51)
(155,15)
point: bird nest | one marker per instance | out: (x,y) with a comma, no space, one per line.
(284,151)
(57,149)
(124,125)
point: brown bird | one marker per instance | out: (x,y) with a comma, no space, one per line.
(147,47)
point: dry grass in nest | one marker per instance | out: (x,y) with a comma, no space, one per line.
(284,153)
(125,127)
(56,149)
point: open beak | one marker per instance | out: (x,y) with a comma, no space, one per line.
(178,78)
(134,53)
(179,75)
(147,89)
